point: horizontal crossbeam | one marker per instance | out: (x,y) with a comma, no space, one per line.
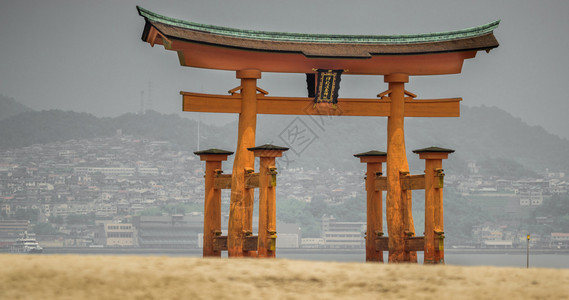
(415,243)
(408,182)
(413,182)
(381,183)
(223,181)
(382,243)
(197,102)
(249,244)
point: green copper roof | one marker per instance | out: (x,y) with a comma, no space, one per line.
(371,153)
(213,151)
(433,149)
(322,38)
(268,147)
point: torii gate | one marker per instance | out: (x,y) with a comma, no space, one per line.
(250,53)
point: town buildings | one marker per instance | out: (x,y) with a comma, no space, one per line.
(124,181)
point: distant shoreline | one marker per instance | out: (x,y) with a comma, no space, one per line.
(198,252)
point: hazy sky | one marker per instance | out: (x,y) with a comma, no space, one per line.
(88,56)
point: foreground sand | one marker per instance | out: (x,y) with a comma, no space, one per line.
(150,277)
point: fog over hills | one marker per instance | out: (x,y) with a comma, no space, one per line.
(483,134)
(10,107)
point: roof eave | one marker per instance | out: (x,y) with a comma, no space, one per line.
(326,50)
(321,38)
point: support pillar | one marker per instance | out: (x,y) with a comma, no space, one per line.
(398,210)
(241,205)
(267,237)
(434,217)
(373,160)
(212,201)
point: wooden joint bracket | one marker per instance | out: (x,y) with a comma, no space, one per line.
(440,235)
(235,90)
(383,94)
(152,38)
(410,94)
(439,173)
(261,91)
(273,172)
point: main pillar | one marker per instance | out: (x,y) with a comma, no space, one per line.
(212,201)
(241,205)
(267,237)
(398,210)
(374,229)
(434,216)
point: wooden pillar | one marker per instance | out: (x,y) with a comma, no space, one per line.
(374,229)
(429,213)
(241,205)
(434,217)
(212,201)
(398,210)
(267,237)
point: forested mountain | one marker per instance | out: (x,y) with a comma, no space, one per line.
(9,107)
(40,127)
(487,135)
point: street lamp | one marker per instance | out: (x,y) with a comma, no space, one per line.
(527,262)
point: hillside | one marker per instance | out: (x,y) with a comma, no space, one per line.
(40,127)
(481,133)
(485,134)
(9,107)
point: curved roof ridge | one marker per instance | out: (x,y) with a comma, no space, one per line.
(323,38)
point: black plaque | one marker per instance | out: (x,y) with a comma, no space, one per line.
(328,86)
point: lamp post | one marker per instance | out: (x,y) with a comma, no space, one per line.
(527,261)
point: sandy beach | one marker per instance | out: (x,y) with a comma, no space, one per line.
(154,277)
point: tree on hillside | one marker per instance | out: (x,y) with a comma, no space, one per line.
(44,229)
(10,107)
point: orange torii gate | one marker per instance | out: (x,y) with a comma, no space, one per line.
(250,53)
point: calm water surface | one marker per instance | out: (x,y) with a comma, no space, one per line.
(518,259)
(558,261)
